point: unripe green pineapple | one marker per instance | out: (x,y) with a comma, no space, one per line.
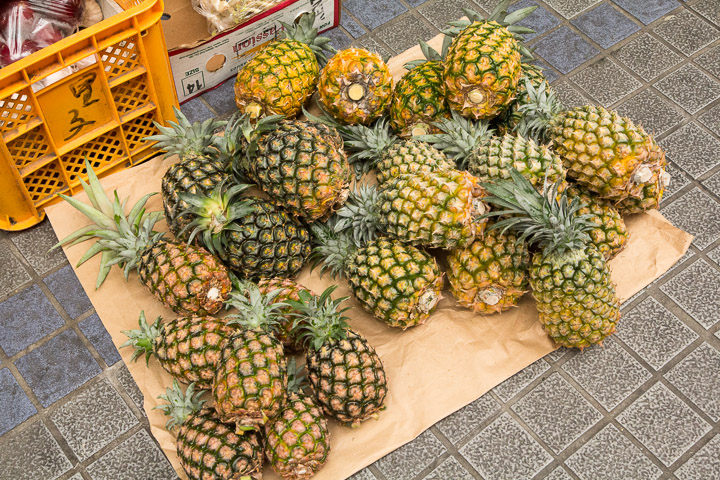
(187,348)
(206,447)
(569,276)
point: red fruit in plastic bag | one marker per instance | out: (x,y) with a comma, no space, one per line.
(66,11)
(5,57)
(46,33)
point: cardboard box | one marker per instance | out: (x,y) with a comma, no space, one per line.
(201,62)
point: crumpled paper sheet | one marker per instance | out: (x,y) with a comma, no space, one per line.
(433,370)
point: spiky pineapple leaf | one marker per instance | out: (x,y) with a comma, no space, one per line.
(180,405)
(319,318)
(143,338)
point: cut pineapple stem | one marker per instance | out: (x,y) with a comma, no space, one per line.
(642,175)
(356,91)
(665,178)
(419,129)
(427,301)
(213,294)
(476,96)
(479,206)
(490,295)
(253,109)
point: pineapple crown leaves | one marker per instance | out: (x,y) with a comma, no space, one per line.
(187,139)
(430,54)
(121,238)
(332,248)
(215,214)
(319,318)
(304,31)
(143,339)
(180,405)
(251,130)
(255,310)
(296,376)
(232,144)
(541,108)
(460,137)
(548,219)
(360,215)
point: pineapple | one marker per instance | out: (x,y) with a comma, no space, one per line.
(200,168)
(509,120)
(206,447)
(355,86)
(288,290)
(186,279)
(250,383)
(610,234)
(250,235)
(284,73)
(187,348)
(300,164)
(399,284)
(345,374)
(569,276)
(297,439)
(605,153)
(418,99)
(482,67)
(490,275)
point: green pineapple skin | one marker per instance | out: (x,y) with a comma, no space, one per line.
(410,157)
(419,100)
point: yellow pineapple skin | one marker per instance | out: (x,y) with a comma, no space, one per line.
(419,100)
(482,70)
(610,235)
(289,290)
(279,79)
(355,66)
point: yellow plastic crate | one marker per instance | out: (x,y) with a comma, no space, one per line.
(102,111)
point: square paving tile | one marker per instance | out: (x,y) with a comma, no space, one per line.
(608,373)
(704,464)
(653,112)
(222,98)
(368,42)
(714,255)
(513,385)
(440,12)
(365,474)
(647,56)
(450,468)
(14,404)
(93,419)
(692,149)
(122,374)
(711,118)
(12,272)
(405,33)
(373,13)
(570,8)
(541,20)
(710,9)
(556,412)
(68,290)
(704,223)
(606,81)
(559,474)
(654,333)
(338,39)
(353,28)
(710,61)
(663,423)
(608,454)
(57,367)
(564,49)
(34,244)
(695,290)
(605,25)
(196,110)
(713,183)
(26,318)
(687,32)
(678,180)
(457,425)
(35,454)
(697,377)
(548,72)
(569,96)
(95,331)
(647,11)
(410,459)
(690,88)
(138,457)
(504,450)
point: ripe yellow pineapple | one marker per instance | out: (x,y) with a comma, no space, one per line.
(283,75)
(355,86)
(610,234)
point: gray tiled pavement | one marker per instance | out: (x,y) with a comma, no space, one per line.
(644,406)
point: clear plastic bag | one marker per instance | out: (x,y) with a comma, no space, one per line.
(224,14)
(27,26)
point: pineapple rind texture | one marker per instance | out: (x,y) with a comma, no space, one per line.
(410,156)
(190,348)
(606,153)
(280,78)
(298,439)
(575,296)
(510,118)
(251,379)
(490,275)
(434,209)
(302,167)
(289,290)
(397,283)
(347,378)
(483,60)
(418,100)
(208,448)
(187,279)
(346,69)
(611,235)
